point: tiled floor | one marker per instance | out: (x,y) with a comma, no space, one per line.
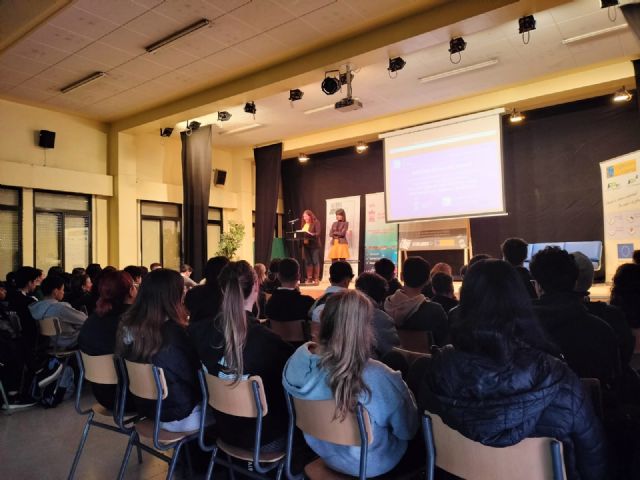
(39,444)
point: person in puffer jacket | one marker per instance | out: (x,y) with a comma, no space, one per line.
(498,385)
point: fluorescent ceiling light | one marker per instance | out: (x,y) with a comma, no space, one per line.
(458,71)
(241,129)
(331,106)
(597,33)
(81,82)
(179,34)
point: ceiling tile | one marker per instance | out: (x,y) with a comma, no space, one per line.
(229,31)
(154,26)
(12,77)
(261,47)
(170,57)
(587,23)
(59,38)
(127,40)
(82,65)
(230,59)
(263,15)
(578,8)
(297,33)
(83,23)
(22,64)
(332,19)
(117,11)
(53,79)
(199,44)
(630,44)
(300,8)
(186,13)
(109,56)
(142,68)
(38,51)
(32,94)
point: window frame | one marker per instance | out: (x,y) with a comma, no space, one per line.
(160,218)
(18,209)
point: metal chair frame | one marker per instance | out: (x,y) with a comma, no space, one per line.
(117,413)
(214,448)
(364,440)
(64,355)
(134,439)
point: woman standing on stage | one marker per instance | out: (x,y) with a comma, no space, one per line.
(338,233)
(311,247)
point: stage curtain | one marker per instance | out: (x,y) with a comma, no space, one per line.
(268,161)
(196,183)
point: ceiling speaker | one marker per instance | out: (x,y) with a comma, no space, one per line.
(46,139)
(219,177)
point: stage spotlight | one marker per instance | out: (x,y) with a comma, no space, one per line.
(525,25)
(456,45)
(166,132)
(516,117)
(224,116)
(361,147)
(608,3)
(303,158)
(331,83)
(250,107)
(395,64)
(622,95)
(193,126)
(295,95)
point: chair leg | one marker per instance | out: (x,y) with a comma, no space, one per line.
(280,469)
(174,461)
(127,453)
(187,454)
(83,439)
(139,453)
(232,474)
(212,462)
(59,379)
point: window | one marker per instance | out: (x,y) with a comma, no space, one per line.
(161,234)
(278,230)
(10,230)
(62,230)
(214,230)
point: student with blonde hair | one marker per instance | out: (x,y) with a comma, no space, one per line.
(235,346)
(339,366)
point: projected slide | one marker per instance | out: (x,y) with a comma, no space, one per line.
(444,171)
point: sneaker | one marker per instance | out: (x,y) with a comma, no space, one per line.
(50,376)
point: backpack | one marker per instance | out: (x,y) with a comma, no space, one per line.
(58,389)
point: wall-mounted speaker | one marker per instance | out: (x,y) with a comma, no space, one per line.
(219,177)
(47,139)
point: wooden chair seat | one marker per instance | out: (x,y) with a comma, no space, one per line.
(319,470)
(244,454)
(61,354)
(101,410)
(145,429)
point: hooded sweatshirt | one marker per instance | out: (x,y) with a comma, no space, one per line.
(391,407)
(70,319)
(418,313)
(499,404)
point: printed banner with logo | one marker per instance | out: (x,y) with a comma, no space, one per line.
(380,238)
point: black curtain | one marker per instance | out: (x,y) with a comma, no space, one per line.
(268,161)
(552,174)
(196,184)
(333,174)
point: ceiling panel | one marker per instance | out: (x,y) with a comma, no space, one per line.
(264,15)
(228,30)
(12,77)
(31,94)
(82,65)
(22,64)
(116,11)
(186,13)
(170,57)
(82,22)
(154,26)
(262,47)
(61,39)
(109,56)
(128,41)
(37,51)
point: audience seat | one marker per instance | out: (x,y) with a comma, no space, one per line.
(415,340)
(51,328)
(294,331)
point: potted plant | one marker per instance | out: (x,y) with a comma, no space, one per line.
(231,240)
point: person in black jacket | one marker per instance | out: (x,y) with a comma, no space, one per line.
(515,251)
(153,330)
(98,333)
(233,345)
(497,385)
(203,301)
(286,302)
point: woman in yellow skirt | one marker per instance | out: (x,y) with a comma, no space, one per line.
(339,246)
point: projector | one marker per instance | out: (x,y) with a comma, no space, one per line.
(348,104)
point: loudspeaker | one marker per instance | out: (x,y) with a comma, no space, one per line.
(47,139)
(219,177)
(166,132)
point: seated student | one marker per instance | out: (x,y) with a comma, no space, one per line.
(340,367)
(135,272)
(625,292)
(52,306)
(286,302)
(153,330)
(442,286)
(587,342)
(410,309)
(186,271)
(79,295)
(384,329)
(497,386)
(204,301)
(235,346)
(272,282)
(340,276)
(440,267)
(387,270)
(19,299)
(98,334)
(514,251)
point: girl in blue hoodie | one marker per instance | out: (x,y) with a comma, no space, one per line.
(339,366)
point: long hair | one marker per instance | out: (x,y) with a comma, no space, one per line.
(347,340)
(495,313)
(159,300)
(113,290)
(312,216)
(237,281)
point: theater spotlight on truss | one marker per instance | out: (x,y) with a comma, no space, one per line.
(224,116)
(361,147)
(250,107)
(456,45)
(395,64)
(193,126)
(303,158)
(525,25)
(608,3)
(331,83)
(166,132)
(516,116)
(622,95)
(295,95)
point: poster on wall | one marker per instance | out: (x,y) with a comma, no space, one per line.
(380,238)
(351,207)
(621,209)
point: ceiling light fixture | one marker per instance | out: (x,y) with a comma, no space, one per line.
(516,117)
(331,83)
(166,132)
(395,64)
(224,116)
(303,158)
(525,25)
(330,106)
(250,107)
(608,3)
(82,81)
(622,95)
(456,45)
(193,126)
(361,147)
(241,129)
(295,95)
(177,35)
(458,71)
(594,34)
